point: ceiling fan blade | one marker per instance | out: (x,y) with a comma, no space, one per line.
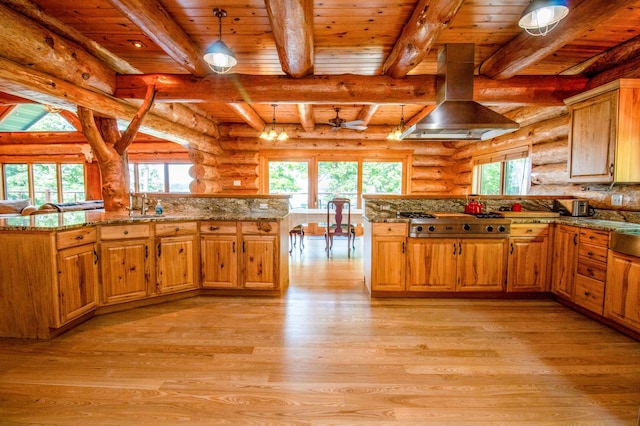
(354,122)
(356,127)
(335,128)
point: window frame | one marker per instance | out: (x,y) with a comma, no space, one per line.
(501,157)
(30,177)
(165,165)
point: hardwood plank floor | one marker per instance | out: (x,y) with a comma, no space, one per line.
(326,354)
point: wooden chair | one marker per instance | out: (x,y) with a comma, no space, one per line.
(296,231)
(338,206)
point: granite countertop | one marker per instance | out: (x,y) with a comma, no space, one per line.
(78,219)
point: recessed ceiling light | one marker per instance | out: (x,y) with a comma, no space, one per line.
(137,43)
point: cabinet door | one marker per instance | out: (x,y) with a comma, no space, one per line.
(527,267)
(219,261)
(482,264)
(388,263)
(259,266)
(565,260)
(126,270)
(622,290)
(592,139)
(77,282)
(176,264)
(431,264)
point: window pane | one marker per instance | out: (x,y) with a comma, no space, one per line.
(337,179)
(490,178)
(72,182)
(290,177)
(132,178)
(516,172)
(179,178)
(16,181)
(151,177)
(382,178)
(45,183)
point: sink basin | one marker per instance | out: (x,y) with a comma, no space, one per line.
(627,242)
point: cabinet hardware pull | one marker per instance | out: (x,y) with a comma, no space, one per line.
(529,231)
(459,248)
(146,251)
(511,248)
(177,228)
(126,232)
(590,253)
(590,271)
(575,239)
(159,249)
(80,237)
(611,169)
(243,246)
(403,247)
(214,228)
(95,257)
(592,237)
(586,293)
(454,249)
(233,247)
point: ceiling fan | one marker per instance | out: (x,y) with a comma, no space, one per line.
(338,123)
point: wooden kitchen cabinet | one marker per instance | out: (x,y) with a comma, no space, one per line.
(177,255)
(126,260)
(219,254)
(528,257)
(456,264)
(388,256)
(259,258)
(77,270)
(565,260)
(591,270)
(604,133)
(622,295)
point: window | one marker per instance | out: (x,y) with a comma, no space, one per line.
(502,174)
(159,177)
(312,179)
(44,183)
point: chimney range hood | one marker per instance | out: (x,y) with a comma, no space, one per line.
(456,115)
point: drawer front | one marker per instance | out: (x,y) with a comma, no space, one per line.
(589,294)
(389,229)
(593,252)
(530,230)
(592,236)
(592,269)
(120,232)
(218,228)
(261,228)
(75,237)
(176,228)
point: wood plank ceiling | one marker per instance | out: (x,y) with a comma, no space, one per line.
(357,38)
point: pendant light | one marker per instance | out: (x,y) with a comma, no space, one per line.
(219,57)
(271,134)
(396,135)
(542,16)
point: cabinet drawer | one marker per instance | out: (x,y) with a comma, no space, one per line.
(592,269)
(176,228)
(75,237)
(592,236)
(262,228)
(120,232)
(218,228)
(530,230)
(589,294)
(590,251)
(389,229)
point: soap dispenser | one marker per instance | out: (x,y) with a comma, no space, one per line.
(159,208)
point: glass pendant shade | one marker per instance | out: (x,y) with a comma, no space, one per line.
(270,134)
(219,57)
(542,16)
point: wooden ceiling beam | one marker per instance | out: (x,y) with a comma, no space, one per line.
(35,138)
(305,113)
(154,20)
(292,28)
(248,114)
(429,19)
(367,112)
(331,89)
(526,50)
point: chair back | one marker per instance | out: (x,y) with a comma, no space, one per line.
(338,205)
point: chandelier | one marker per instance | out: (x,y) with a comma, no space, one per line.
(396,135)
(271,134)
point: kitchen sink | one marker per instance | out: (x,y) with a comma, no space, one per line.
(626,241)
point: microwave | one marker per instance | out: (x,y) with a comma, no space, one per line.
(571,207)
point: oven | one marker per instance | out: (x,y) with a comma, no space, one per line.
(452,225)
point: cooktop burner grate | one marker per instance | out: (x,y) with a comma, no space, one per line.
(416,215)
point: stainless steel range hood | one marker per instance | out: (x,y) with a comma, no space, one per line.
(457,115)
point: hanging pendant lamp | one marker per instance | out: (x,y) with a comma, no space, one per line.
(396,135)
(219,57)
(542,16)
(271,134)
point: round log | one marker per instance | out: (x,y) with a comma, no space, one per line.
(203,172)
(431,161)
(550,152)
(430,173)
(549,174)
(201,157)
(239,157)
(198,186)
(420,186)
(248,170)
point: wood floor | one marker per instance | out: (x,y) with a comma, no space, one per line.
(326,354)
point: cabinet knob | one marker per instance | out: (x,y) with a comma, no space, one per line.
(80,237)
(126,232)
(177,228)
(214,228)
(586,293)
